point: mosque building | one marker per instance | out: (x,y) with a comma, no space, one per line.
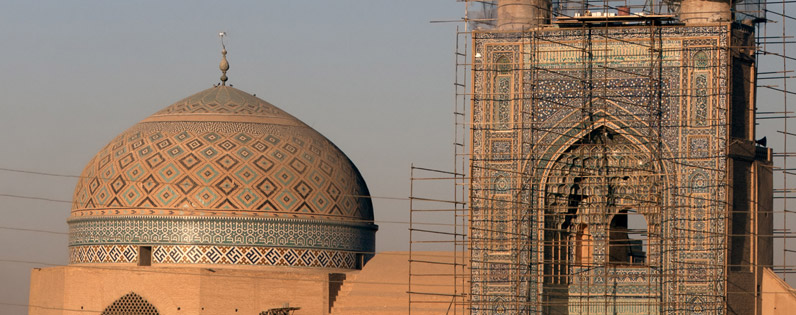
(613,169)
(614,162)
(216,204)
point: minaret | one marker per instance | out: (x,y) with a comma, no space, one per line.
(705,11)
(518,15)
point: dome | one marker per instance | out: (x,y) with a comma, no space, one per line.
(221,177)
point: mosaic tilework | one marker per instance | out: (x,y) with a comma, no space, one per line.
(130,303)
(103,254)
(501,149)
(276,232)
(502,91)
(562,105)
(224,100)
(699,105)
(699,147)
(222,152)
(225,255)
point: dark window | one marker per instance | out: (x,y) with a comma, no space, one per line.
(145,255)
(628,238)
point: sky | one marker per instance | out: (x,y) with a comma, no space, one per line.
(375,77)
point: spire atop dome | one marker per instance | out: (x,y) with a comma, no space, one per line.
(224,65)
(221,164)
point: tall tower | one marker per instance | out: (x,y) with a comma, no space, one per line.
(614,168)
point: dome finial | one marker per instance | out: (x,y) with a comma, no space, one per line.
(224,66)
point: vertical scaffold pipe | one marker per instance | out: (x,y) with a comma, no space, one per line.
(518,15)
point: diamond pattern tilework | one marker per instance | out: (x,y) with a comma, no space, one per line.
(227,185)
(126,160)
(166,196)
(131,195)
(267,187)
(117,184)
(155,160)
(207,174)
(206,197)
(186,184)
(189,161)
(176,151)
(260,147)
(246,175)
(244,153)
(169,172)
(303,189)
(286,200)
(247,197)
(228,145)
(134,172)
(228,255)
(320,202)
(210,171)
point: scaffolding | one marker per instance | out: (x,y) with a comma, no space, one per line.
(440,224)
(611,163)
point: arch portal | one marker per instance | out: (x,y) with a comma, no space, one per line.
(593,189)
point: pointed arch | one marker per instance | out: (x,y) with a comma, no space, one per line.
(130,304)
(697,306)
(502,91)
(503,64)
(569,132)
(583,167)
(701,60)
(604,174)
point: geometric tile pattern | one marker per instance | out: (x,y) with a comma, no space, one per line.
(225,255)
(171,230)
(103,253)
(222,152)
(222,177)
(130,303)
(548,91)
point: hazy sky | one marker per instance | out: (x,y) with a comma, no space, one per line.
(374,76)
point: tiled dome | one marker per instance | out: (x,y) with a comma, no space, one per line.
(221,168)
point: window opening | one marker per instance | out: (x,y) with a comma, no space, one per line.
(583,245)
(145,255)
(628,238)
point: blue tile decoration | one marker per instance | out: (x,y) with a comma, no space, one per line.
(180,230)
(224,255)
(220,158)
(228,175)
(555,102)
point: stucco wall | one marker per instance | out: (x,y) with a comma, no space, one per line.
(778,297)
(179,290)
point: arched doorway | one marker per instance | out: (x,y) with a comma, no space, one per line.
(602,199)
